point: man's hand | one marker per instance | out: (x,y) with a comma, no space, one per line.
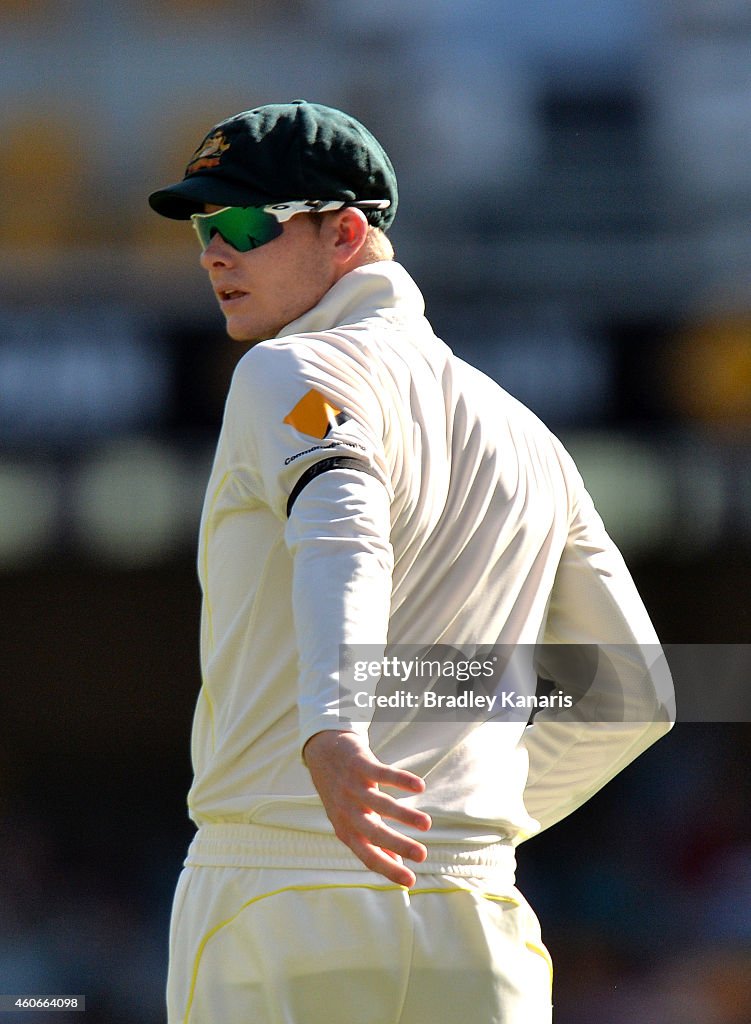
(347,776)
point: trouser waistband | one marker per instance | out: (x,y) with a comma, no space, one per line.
(263,846)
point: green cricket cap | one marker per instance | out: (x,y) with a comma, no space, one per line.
(282,151)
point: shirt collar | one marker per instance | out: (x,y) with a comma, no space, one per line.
(376,289)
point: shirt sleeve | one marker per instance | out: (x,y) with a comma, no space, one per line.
(601,648)
(338,535)
(308,437)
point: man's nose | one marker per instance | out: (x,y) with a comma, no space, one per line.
(217,253)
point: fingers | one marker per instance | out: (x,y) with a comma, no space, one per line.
(374,830)
(384,862)
(388,807)
(348,778)
(379,847)
(367,826)
(396,777)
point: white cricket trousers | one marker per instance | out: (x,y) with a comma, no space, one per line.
(275,926)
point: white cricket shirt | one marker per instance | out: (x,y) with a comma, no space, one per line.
(369,487)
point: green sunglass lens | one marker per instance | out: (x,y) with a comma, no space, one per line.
(242,227)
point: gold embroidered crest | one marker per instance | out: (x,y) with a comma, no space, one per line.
(209,153)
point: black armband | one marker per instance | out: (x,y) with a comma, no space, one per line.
(323,466)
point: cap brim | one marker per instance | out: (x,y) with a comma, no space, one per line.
(181,201)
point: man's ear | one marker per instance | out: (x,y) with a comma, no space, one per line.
(350,230)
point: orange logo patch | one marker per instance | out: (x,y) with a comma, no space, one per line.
(209,153)
(313,415)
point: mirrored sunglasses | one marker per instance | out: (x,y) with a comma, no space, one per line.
(248,227)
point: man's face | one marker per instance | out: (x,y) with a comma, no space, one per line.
(263,290)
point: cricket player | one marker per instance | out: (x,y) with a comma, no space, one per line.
(372,496)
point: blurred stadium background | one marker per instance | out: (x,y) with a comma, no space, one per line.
(576,205)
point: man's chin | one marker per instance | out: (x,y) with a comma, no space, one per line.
(246,336)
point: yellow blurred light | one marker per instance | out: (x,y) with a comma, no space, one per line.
(709,373)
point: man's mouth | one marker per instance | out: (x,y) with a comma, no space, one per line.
(230,294)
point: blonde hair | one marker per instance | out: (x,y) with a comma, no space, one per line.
(377,246)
